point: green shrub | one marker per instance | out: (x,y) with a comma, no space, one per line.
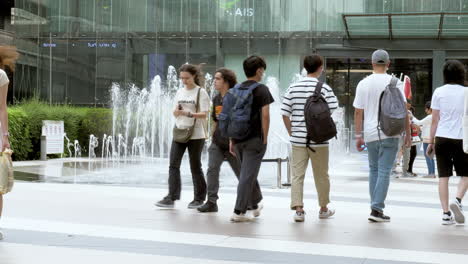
(80,122)
(20,138)
(37,112)
(96,121)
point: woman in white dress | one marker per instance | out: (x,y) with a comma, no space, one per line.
(8,56)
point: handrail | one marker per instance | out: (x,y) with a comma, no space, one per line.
(279,162)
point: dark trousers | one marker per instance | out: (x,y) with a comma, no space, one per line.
(250,153)
(413,154)
(195,148)
(216,158)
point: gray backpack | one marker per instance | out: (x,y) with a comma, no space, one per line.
(392,110)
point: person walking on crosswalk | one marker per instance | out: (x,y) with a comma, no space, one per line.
(382,148)
(446,139)
(304,149)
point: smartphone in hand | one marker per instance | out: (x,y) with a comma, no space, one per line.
(430,153)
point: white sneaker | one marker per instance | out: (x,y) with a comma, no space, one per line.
(329,213)
(239,218)
(447,219)
(258,211)
(299,216)
(457,210)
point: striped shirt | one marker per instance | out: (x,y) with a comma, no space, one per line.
(293,107)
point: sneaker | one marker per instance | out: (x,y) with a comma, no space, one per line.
(208,207)
(237,218)
(377,216)
(408,175)
(299,216)
(327,214)
(165,203)
(457,210)
(258,211)
(194,204)
(447,219)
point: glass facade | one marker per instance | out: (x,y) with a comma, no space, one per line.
(73,50)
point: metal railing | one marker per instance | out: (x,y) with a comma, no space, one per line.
(279,170)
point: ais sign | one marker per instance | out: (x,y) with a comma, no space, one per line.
(241,12)
(231,9)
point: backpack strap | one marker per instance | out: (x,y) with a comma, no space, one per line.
(317,92)
(318,88)
(378,115)
(197,107)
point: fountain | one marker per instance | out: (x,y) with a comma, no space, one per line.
(142,135)
(93,143)
(77,147)
(69,144)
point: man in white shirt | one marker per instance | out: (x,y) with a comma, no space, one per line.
(382,149)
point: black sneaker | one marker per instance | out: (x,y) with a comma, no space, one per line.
(377,216)
(195,204)
(208,207)
(165,203)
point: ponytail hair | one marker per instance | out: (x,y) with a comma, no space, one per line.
(8,57)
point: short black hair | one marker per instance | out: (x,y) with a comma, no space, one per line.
(252,64)
(428,105)
(454,72)
(312,63)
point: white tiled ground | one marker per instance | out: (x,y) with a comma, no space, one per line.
(69,223)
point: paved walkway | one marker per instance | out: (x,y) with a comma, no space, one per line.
(84,223)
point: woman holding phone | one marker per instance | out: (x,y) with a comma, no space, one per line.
(191,106)
(446,139)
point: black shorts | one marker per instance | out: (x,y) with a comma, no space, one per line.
(450,154)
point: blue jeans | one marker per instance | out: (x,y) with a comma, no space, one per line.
(430,162)
(382,155)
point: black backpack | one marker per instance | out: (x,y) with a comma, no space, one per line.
(319,123)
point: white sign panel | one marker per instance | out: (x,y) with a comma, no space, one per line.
(54,132)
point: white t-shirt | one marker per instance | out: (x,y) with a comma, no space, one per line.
(449,100)
(367,97)
(465,123)
(3,78)
(425,125)
(293,107)
(188,99)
